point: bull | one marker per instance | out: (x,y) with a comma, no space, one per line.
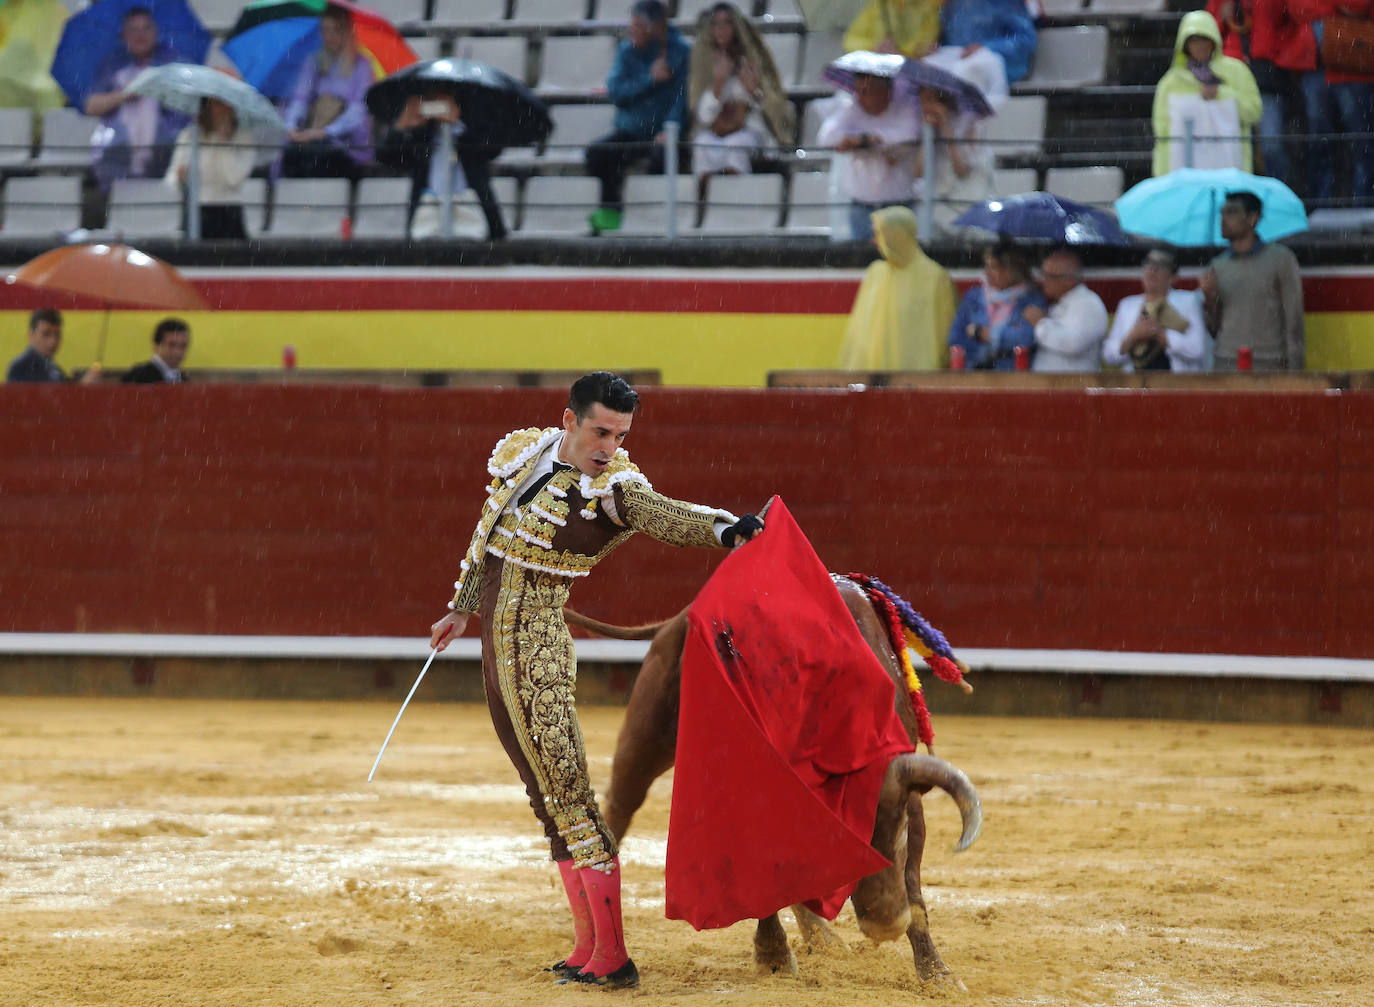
(887,904)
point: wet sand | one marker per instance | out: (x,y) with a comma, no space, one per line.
(232,853)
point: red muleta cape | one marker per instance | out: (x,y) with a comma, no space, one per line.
(786,728)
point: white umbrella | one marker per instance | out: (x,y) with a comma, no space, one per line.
(182,86)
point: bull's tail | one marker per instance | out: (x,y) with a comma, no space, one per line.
(647,632)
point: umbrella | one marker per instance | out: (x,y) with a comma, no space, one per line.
(29,33)
(181,86)
(92,35)
(1041,216)
(1184,206)
(909,76)
(115,274)
(272,39)
(496,108)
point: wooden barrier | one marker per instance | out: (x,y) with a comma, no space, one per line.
(1151,521)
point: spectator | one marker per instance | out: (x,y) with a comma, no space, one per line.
(988,42)
(1283,61)
(648,87)
(171,340)
(329,129)
(1252,294)
(735,93)
(1215,94)
(908,27)
(1161,329)
(409,144)
(135,137)
(904,305)
(1235,19)
(880,131)
(989,325)
(36,364)
(1351,93)
(963,164)
(227,154)
(1068,337)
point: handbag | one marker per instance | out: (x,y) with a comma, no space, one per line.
(1348,45)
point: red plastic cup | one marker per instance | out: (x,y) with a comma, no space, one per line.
(1023,358)
(346,228)
(956,358)
(288,356)
(1245,360)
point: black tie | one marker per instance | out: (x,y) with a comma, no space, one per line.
(538,484)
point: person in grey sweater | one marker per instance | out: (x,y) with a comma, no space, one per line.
(1252,294)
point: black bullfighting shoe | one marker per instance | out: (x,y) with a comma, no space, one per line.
(563,970)
(624,978)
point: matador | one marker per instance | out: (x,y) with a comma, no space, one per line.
(559,500)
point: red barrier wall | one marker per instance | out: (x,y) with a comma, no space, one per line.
(1228,522)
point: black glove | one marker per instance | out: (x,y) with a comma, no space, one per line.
(746,527)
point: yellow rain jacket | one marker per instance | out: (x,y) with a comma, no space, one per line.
(901,316)
(1236,82)
(29,32)
(913,24)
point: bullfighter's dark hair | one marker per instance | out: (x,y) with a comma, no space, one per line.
(1251,202)
(650,10)
(50,315)
(168,325)
(137,12)
(611,390)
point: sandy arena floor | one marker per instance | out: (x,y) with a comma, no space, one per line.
(232,854)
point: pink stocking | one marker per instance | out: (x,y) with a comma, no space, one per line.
(603,897)
(583,932)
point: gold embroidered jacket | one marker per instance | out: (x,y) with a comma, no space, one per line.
(574,520)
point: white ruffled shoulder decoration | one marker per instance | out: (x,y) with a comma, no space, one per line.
(620,470)
(517,448)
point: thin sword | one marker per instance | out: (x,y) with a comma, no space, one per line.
(432,654)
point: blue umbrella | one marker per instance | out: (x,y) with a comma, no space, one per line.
(92,36)
(1184,206)
(909,76)
(270,55)
(1041,216)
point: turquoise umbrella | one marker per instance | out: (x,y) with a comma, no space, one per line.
(1184,206)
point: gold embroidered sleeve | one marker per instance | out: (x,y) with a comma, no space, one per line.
(675,522)
(469,595)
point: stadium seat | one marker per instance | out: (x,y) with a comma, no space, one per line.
(255,206)
(808,207)
(383,208)
(218,15)
(1126,6)
(559,204)
(786,50)
(16,135)
(66,138)
(612,10)
(46,205)
(1355,221)
(309,207)
(574,127)
(783,9)
(507,53)
(547,12)
(469,11)
(427,47)
(399,12)
(1018,127)
(813,114)
(144,207)
(743,204)
(1064,7)
(1013,181)
(646,210)
(1069,57)
(1099,185)
(819,48)
(576,62)
(689,11)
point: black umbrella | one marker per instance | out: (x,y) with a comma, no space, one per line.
(497,109)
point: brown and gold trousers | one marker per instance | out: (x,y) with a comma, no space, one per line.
(529,670)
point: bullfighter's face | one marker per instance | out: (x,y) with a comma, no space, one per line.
(590,442)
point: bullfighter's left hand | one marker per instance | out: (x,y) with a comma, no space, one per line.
(741,531)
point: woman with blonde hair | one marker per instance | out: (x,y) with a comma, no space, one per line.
(735,95)
(330,130)
(227,153)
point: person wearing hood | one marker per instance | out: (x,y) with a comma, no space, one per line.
(905,303)
(1216,92)
(648,87)
(989,325)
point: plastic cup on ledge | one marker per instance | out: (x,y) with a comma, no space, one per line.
(288,357)
(1245,359)
(956,358)
(1023,358)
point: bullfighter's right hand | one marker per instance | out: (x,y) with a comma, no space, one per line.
(447,629)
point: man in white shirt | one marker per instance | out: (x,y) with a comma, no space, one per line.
(880,131)
(1161,329)
(1069,336)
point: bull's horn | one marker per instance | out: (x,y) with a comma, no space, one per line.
(906,772)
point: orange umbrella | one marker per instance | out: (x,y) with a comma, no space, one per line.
(115,274)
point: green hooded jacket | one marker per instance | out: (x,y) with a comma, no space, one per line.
(1236,82)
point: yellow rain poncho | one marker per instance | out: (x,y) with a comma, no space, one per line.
(901,316)
(913,24)
(1235,82)
(29,32)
